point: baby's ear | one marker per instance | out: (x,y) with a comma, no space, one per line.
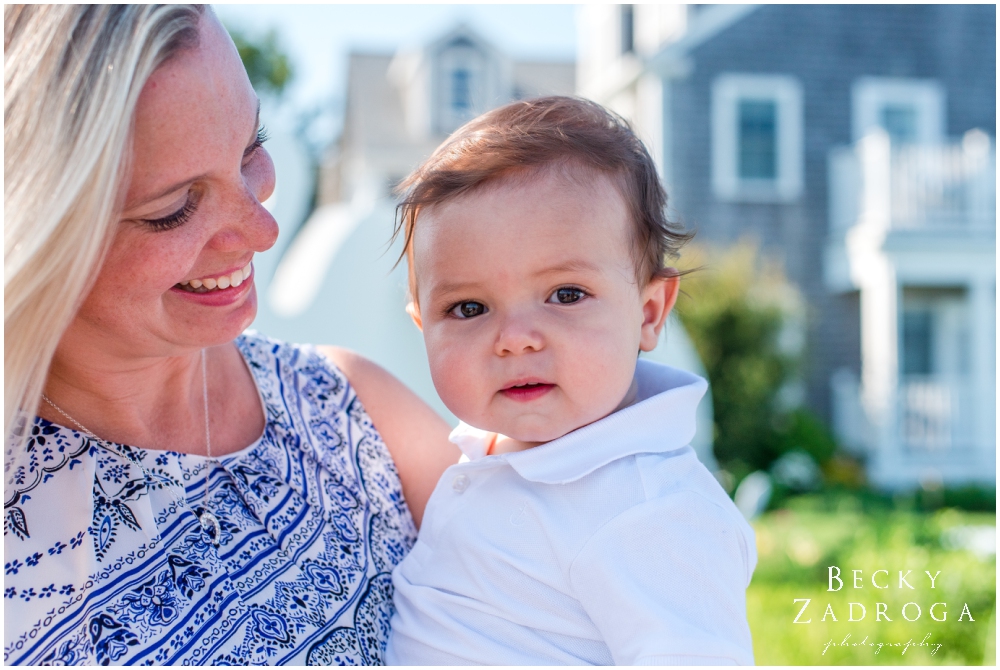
(414,312)
(658,299)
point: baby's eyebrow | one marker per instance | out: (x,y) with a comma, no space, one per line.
(574,265)
(449,287)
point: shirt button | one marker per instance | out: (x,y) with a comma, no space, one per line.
(460,483)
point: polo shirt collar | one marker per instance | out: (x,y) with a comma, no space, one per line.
(662,419)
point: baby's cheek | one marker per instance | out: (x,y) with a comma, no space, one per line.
(456,379)
(600,382)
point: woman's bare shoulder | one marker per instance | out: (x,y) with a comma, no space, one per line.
(417,438)
(377,387)
(360,371)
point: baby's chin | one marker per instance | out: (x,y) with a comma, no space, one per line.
(535,434)
(533,429)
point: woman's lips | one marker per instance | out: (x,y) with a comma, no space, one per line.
(212,284)
(217,296)
(527,392)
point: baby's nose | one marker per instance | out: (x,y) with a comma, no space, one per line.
(517,336)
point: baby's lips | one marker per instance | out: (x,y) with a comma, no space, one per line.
(525,382)
(527,393)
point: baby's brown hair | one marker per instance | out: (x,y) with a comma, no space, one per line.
(529,135)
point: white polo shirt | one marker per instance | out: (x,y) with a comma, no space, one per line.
(611,544)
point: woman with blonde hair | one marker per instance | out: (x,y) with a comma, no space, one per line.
(176,490)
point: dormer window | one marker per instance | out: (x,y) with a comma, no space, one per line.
(453,80)
(461,73)
(461,91)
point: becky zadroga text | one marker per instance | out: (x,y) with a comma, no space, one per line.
(879,579)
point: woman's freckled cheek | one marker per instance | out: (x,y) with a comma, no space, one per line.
(141,264)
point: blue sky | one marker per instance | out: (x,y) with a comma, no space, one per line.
(318,38)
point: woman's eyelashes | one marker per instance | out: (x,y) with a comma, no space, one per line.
(567,295)
(262,137)
(178,218)
(467,309)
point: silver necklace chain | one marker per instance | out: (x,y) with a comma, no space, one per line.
(208,520)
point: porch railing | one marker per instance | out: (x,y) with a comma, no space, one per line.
(935,414)
(911,187)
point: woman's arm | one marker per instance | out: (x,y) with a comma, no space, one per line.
(416,436)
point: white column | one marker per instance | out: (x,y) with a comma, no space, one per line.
(876,175)
(875,275)
(982,304)
(879,365)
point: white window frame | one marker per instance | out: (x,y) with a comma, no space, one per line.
(727,92)
(870,94)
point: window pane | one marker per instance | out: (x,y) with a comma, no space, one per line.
(461,93)
(628,27)
(758,139)
(900,121)
(917,343)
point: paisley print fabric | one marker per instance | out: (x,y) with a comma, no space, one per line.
(104,566)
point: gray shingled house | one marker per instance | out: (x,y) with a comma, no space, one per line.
(856,143)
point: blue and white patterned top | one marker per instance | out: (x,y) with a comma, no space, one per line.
(103,567)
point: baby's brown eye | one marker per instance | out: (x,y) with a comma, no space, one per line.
(467,310)
(567,296)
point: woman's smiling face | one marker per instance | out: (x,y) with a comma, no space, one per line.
(192,214)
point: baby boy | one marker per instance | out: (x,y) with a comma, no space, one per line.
(582,529)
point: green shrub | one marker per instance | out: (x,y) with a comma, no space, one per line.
(972,498)
(744,319)
(266,63)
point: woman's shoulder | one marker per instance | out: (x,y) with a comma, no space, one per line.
(321,376)
(411,432)
(305,394)
(265,353)
(293,376)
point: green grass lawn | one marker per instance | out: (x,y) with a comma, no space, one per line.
(796,547)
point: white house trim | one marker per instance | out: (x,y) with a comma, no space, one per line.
(713,20)
(671,61)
